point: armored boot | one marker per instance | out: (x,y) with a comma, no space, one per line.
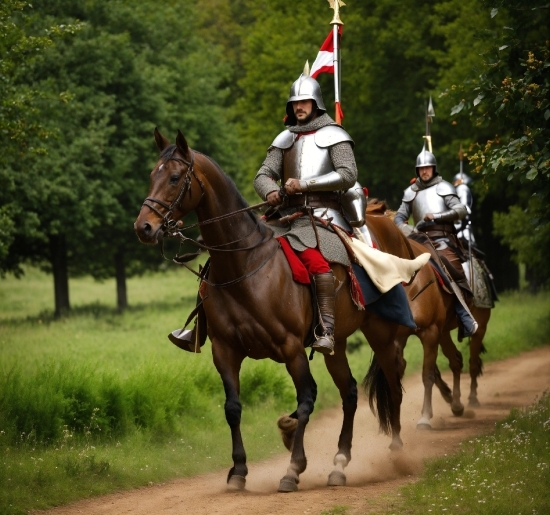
(324,288)
(467,326)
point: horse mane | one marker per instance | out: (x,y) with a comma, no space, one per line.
(241,201)
(376,206)
(168,152)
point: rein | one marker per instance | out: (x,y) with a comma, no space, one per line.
(173,228)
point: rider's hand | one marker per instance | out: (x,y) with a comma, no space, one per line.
(292,187)
(428,217)
(274,198)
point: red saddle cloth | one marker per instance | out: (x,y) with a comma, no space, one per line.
(301,275)
(299,271)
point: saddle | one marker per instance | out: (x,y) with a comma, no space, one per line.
(440,263)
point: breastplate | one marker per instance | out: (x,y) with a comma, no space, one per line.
(305,160)
(427,201)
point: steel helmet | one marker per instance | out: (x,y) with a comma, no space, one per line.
(426,158)
(461,178)
(305,88)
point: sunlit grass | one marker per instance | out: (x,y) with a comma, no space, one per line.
(112,358)
(502,473)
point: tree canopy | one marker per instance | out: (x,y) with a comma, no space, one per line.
(84,83)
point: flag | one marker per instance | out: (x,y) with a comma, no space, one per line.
(324,63)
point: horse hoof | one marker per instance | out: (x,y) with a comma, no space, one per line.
(236,483)
(336,478)
(287,485)
(396,445)
(473,403)
(423,424)
(458,412)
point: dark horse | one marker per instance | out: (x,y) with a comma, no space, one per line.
(255,309)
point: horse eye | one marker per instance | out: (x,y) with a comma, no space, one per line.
(174,179)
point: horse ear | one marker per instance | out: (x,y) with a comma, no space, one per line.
(181,143)
(160,140)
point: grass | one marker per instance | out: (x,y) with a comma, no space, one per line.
(100,401)
(502,473)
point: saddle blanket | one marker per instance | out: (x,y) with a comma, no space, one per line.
(391,305)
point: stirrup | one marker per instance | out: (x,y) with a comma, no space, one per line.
(185,339)
(324,344)
(472,331)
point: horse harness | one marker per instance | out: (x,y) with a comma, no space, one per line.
(173,227)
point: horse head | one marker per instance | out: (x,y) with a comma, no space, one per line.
(174,190)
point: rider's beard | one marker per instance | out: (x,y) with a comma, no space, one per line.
(308,118)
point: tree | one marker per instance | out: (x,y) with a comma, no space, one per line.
(511,94)
(21,129)
(125,74)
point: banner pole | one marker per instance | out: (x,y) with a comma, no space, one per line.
(336,23)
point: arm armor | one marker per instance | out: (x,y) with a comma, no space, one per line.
(447,216)
(330,182)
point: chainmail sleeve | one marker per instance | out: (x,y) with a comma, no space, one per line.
(269,173)
(343,160)
(457,210)
(403,213)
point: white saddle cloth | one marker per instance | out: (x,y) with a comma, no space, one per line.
(385,270)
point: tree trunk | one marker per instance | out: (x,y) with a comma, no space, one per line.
(58,257)
(120,273)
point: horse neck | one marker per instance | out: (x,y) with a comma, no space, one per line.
(220,199)
(386,234)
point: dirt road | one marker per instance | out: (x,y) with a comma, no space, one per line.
(373,471)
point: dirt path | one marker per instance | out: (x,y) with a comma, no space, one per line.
(373,471)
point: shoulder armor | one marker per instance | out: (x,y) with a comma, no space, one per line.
(409,194)
(284,140)
(331,135)
(445,188)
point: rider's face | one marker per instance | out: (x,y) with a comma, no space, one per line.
(303,110)
(426,172)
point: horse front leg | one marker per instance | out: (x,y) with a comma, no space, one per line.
(455,363)
(338,367)
(429,338)
(477,348)
(306,393)
(228,365)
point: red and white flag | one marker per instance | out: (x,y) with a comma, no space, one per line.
(324,63)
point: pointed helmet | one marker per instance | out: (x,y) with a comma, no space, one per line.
(305,88)
(461,178)
(426,158)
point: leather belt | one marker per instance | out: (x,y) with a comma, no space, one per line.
(327,200)
(438,230)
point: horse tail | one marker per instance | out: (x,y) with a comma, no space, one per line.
(443,387)
(377,388)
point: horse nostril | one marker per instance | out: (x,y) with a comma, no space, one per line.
(146,228)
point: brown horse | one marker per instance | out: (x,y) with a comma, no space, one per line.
(255,309)
(433,312)
(482,316)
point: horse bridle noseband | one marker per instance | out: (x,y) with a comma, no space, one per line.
(168,222)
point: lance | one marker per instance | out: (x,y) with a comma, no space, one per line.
(461,157)
(430,114)
(468,225)
(336,23)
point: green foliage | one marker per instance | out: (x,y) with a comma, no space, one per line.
(106,403)
(23,133)
(528,238)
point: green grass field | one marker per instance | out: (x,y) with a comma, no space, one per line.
(100,401)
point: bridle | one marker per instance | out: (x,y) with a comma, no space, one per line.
(168,222)
(173,227)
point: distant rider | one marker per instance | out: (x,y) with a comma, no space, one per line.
(435,207)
